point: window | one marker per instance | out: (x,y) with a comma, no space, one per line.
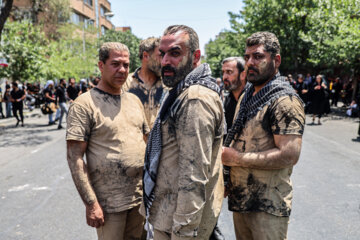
(103,30)
(80,19)
(102,11)
(89,2)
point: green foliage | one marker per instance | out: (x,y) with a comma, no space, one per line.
(334,35)
(68,58)
(32,57)
(130,40)
(226,44)
(315,35)
(25,48)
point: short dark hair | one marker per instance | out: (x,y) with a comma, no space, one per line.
(14,84)
(148,45)
(62,80)
(240,62)
(193,42)
(267,39)
(106,47)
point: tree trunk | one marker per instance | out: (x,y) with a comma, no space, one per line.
(355,88)
(5,12)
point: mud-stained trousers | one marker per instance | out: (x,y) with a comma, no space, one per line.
(260,226)
(126,225)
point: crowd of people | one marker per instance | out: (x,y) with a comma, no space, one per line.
(57,96)
(319,94)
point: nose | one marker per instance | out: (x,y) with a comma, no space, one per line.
(122,69)
(165,60)
(250,61)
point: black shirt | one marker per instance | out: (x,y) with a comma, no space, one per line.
(17,95)
(60,94)
(229,107)
(72,92)
(49,91)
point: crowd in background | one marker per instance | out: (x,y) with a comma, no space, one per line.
(319,93)
(55,94)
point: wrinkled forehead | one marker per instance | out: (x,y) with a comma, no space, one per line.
(176,40)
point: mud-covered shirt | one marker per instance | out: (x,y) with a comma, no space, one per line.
(255,190)
(189,184)
(113,126)
(150,98)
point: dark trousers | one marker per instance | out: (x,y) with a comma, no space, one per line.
(20,109)
(1,111)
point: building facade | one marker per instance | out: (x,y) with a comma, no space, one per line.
(88,12)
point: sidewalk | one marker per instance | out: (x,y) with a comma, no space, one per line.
(5,122)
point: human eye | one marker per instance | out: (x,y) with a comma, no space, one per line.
(175,53)
(246,57)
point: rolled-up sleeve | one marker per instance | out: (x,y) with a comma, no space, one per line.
(195,136)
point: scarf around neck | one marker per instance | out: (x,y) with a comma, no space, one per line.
(199,76)
(251,105)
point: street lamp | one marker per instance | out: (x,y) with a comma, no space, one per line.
(109,14)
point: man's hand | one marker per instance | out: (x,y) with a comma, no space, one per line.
(94,215)
(230,157)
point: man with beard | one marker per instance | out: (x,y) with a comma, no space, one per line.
(145,82)
(183,182)
(109,126)
(234,82)
(265,143)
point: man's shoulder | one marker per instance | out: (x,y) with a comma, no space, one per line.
(201,93)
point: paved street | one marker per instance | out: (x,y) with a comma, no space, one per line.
(39,201)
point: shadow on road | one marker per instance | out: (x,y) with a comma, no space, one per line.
(29,135)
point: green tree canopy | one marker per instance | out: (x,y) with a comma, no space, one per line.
(25,47)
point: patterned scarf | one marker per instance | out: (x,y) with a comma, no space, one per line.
(251,105)
(199,76)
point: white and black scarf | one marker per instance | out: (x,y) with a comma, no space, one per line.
(199,76)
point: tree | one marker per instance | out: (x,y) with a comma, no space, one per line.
(25,48)
(286,19)
(4,14)
(226,44)
(68,57)
(334,37)
(130,40)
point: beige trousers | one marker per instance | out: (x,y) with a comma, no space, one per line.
(159,235)
(126,225)
(260,226)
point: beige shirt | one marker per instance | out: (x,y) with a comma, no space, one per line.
(150,98)
(189,186)
(270,191)
(113,126)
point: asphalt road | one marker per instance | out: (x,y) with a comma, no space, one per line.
(39,201)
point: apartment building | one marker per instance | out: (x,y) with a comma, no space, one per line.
(88,12)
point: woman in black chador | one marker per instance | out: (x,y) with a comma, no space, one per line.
(318,98)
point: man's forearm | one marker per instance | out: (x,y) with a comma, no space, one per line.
(80,176)
(286,154)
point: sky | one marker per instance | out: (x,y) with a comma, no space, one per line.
(150,17)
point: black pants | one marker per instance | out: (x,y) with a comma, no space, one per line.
(1,110)
(20,109)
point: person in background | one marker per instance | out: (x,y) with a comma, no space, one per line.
(146,82)
(6,99)
(336,89)
(318,99)
(61,100)
(72,90)
(17,97)
(49,96)
(234,80)
(1,107)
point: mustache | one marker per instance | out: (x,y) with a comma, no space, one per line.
(253,68)
(167,69)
